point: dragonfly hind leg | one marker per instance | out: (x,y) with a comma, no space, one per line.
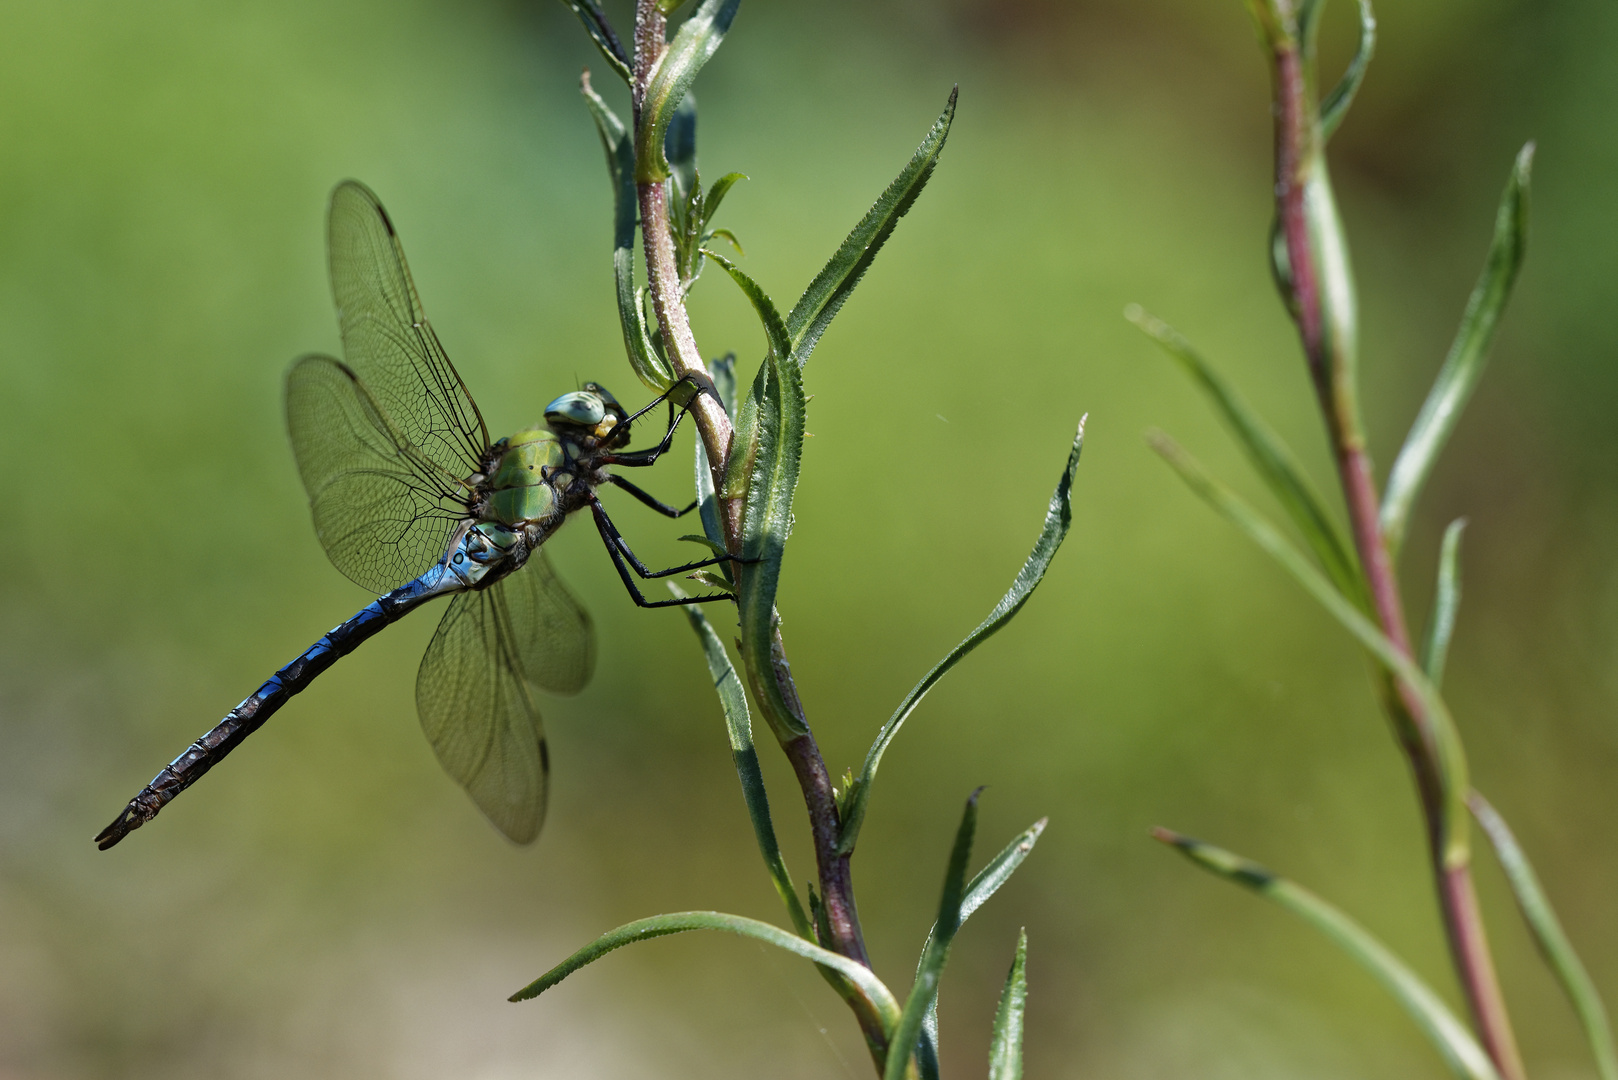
(623,558)
(652,500)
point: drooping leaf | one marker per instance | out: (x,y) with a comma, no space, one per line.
(1446,601)
(1548,935)
(1273,459)
(601,32)
(825,295)
(1442,740)
(643,357)
(902,1043)
(1454,1041)
(1005,1040)
(1058,518)
(1335,106)
(739,725)
(1467,356)
(860,976)
(985,885)
(694,44)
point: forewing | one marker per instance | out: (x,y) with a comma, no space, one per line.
(553,637)
(387,339)
(478,712)
(382,509)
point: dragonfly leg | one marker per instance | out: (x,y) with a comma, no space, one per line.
(642,458)
(652,501)
(623,558)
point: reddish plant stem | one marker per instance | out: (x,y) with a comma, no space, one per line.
(1295,156)
(714,425)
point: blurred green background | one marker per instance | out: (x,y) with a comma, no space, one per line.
(328,904)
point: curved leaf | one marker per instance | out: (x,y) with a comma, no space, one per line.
(1467,356)
(1058,517)
(1549,936)
(902,1043)
(1446,601)
(1335,107)
(601,32)
(663,925)
(1440,736)
(823,298)
(1460,1050)
(1273,459)
(649,368)
(694,44)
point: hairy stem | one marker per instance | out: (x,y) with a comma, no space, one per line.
(1322,303)
(714,427)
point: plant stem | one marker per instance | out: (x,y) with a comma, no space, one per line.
(716,431)
(1322,302)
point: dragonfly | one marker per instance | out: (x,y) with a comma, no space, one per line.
(405,485)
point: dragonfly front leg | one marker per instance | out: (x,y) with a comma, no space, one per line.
(642,458)
(623,558)
(653,501)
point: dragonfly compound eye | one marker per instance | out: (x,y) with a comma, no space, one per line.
(578,409)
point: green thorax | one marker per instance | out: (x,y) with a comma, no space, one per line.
(519,484)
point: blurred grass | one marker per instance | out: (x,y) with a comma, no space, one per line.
(329,904)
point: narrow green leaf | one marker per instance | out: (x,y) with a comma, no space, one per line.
(1273,459)
(601,32)
(723,371)
(823,298)
(764,462)
(1467,356)
(1335,107)
(727,236)
(717,193)
(1005,1041)
(1548,935)
(694,44)
(1440,736)
(902,1043)
(680,145)
(869,986)
(739,725)
(1446,601)
(643,358)
(1460,1050)
(985,885)
(1058,518)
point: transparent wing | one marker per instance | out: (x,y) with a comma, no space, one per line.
(387,340)
(552,635)
(383,510)
(477,710)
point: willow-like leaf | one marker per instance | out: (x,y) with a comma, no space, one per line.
(1058,518)
(615,140)
(680,146)
(739,725)
(825,295)
(723,371)
(1467,356)
(902,1042)
(869,986)
(1439,734)
(1548,935)
(1005,1040)
(694,44)
(1273,459)
(601,32)
(978,891)
(717,193)
(1460,1050)
(1446,602)
(764,462)
(1335,106)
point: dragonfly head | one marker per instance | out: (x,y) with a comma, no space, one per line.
(589,413)
(479,549)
